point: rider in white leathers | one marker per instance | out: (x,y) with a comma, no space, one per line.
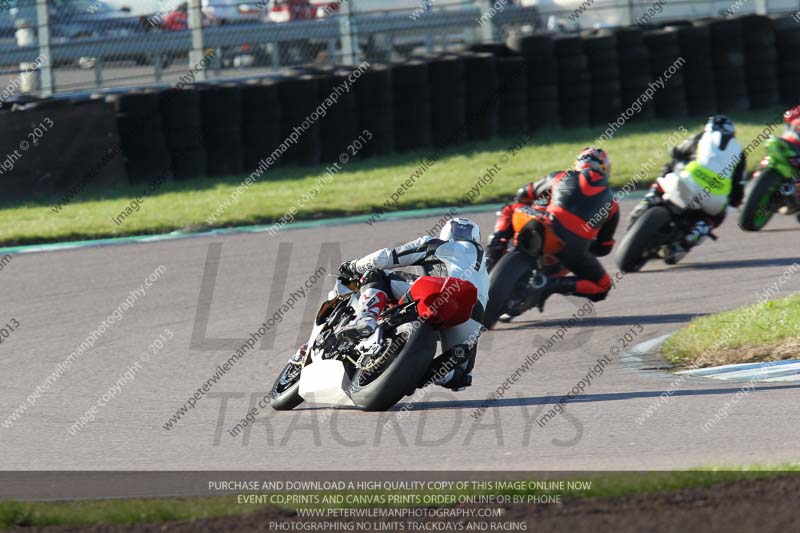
(716,162)
(456,253)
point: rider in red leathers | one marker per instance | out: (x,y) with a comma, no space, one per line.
(578,218)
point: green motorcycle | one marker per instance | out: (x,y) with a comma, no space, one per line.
(774,188)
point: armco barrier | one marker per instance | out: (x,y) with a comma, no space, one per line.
(534,82)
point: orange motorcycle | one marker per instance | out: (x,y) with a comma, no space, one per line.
(520,271)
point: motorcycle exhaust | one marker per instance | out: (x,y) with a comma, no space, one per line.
(788,189)
(538,281)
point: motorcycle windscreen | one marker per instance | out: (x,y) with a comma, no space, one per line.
(444,302)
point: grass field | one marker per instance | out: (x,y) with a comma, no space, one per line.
(133,511)
(761,332)
(360,187)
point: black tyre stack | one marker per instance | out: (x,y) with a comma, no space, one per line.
(574,83)
(340,125)
(448,97)
(412,105)
(482,96)
(374,105)
(183,129)
(695,48)
(761,61)
(496,49)
(512,101)
(665,54)
(606,98)
(261,123)
(788,41)
(221,108)
(141,135)
(727,55)
(298,100)
(634,68)
(543,76)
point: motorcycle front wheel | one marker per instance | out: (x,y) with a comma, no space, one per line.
(757,209)
(285,394)
(509,275)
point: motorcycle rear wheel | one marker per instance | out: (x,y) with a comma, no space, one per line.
(385,380)
(644,234)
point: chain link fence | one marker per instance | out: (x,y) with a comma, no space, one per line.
(69,46)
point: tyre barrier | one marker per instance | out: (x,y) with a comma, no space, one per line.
(221,109)
(664,50)
(694,41)
(141,134)
(448,101)
(605,103)
(530,82)
(183,130)
(411,105)
(374,102)
(300,120)
(481,81)
(634,68)
(512,96)
(574,81)
(339,126)
(727,56)
(787,39)
(261,122)
(55,146)
(761,61)
(543,75)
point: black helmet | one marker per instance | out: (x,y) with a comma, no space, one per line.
(722,124)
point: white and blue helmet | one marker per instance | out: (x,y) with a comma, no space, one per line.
(460,229)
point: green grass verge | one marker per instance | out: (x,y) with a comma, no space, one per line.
(38,514)
(752,332)
(85,512)
(361,186)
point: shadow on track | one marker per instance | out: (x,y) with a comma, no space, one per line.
(585,398)
(605,321)
(741,263)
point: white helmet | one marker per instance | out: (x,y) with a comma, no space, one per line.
(460,229)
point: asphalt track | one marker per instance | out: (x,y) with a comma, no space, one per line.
(59,297)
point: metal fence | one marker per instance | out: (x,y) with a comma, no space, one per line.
(67,46)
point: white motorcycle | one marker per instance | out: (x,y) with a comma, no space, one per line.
(376,372)
(667,223)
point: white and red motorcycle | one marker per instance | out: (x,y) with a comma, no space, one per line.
(376,372)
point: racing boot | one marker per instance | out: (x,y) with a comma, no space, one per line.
(699,232)
(650,199)
(370,305)
(538,295)
(453,369)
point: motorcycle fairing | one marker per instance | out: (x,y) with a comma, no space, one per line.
(444,302)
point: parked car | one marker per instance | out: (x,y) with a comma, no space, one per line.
(71,19)
(81,19)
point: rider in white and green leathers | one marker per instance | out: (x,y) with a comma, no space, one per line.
(716,161)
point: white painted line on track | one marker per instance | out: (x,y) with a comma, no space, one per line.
(771,371)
